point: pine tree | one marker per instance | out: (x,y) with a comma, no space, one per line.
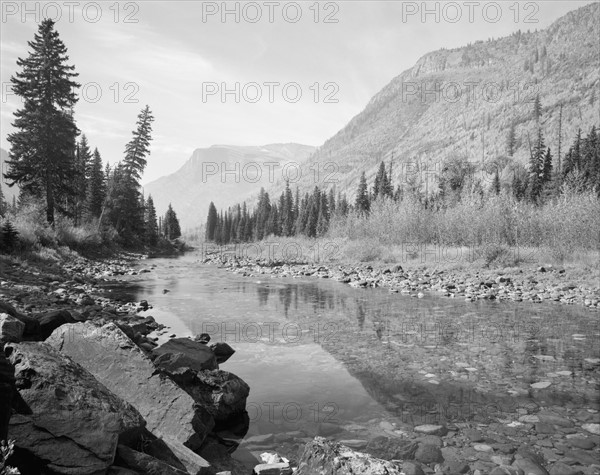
(151,224)
(83,162)
(96,190)
(323,216)
(211,222)
(362,203)
(380,184)
(8,237)
(41,158)
(287,212)
(536,165)
(3,204)
(171,224)
(127,214)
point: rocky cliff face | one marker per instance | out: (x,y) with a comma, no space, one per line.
(462,103)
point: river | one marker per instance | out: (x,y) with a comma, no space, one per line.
(319,354)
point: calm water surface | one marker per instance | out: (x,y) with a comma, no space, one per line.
(315,351)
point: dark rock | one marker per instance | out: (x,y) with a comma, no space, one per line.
(124,369)
(11,329)
(50,321)
(530,467)
(7,391)
(412,468)
(202,338)
(428,453)
(65,417)
(452,467)
(32,326)
(221,393)
(185,353)
(324,456)
(222,351)
(392,449)
(144,463)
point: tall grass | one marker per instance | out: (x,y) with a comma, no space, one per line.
(36,234)
(490,228)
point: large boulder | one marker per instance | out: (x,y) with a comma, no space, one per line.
(321,456)
(11,329)
(64,416)
(7,390)
(184,352)
(122,367)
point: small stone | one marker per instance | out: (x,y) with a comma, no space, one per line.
(562,469)
(587,444)
(541,385)
(412,468)
(431,429)
(592,428)
(427,453)
(504,470)
(473,435)
(483,448)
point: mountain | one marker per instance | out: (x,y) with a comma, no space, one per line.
(9,192)
(409,121)
(224,174)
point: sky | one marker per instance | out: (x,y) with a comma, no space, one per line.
(242,73)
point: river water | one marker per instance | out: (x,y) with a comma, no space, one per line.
(318,353)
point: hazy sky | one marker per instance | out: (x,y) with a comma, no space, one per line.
(177,56)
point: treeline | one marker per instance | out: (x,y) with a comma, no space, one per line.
(288,216)
(311,215)
(55,170)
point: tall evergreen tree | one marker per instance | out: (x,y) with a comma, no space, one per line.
(536,165)
(171,224)
(3,204)
(127,214)
(211,222)
(96,190)
(362,203)
(151,224)
(41,158)
(83,162)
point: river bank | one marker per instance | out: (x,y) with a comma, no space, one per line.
(568,285)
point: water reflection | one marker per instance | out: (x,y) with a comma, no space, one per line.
(371,352)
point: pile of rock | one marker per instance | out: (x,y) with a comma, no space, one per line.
(84,398)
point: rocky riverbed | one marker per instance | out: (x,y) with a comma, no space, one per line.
(171,410)
(539,284)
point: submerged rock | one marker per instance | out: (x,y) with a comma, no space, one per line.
(331,458)
(65,418)
(118,363)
